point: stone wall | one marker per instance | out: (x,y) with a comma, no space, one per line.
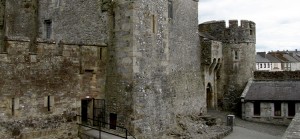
(267,113)
(154,69)
(238,57)
(27,80)
(278,75)
(211,60)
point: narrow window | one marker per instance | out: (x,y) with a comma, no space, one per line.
(251,32)
(260,65)
(291,109)
(14,105)
(49,102)
(265,65)
(100,54)
(170,9)
(48,28)
(153,22)
(256,107)
(236,55)
(277,109)
(268,65)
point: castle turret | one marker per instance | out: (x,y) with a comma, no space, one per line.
(238,56)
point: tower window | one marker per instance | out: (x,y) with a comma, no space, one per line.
(251,32)
(236,55)
(48,28)
(170,9)
(153,23)
(14,105)
(49,102)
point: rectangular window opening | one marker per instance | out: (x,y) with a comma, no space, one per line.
(256,106)
(153,23)
(49,102)
(236,55)
(251,32)
(291,109)
(100,54)
(48,28)
(170,9)
(277,109)
(13,106)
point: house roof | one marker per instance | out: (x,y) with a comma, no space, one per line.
(260,59)
(289,58)
(272,58)
(272,90)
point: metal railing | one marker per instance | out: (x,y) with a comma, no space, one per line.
(103,127)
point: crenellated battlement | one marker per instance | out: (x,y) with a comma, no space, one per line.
(234,31)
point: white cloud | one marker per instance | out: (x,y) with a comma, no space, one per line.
(277,21)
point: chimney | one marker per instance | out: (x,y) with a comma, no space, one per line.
(262,54)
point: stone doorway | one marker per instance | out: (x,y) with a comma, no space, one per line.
(209,96)
(85,110)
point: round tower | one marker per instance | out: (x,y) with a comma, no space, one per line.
(238,48)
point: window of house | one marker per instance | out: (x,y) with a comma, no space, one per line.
(265,65)
(49,102)
(260,65)
(268,65)
(291,109)
(277,109)
(48,28)
(256,107)
(170,9)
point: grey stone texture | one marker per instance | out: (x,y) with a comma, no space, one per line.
(211,60)
(68,66)
(292,131)
(154,65)
(238,65)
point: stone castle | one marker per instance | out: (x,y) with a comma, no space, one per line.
(143,58)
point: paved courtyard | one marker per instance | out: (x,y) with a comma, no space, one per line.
(251,130)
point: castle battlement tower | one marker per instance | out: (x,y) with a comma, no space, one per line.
(238,48)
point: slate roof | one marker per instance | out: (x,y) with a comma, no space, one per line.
(290,58)
(272,58)
(273,90)
(260,59)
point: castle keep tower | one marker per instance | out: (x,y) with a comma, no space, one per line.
(238,43)
(154,65)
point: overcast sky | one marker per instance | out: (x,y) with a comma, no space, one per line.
(277,21)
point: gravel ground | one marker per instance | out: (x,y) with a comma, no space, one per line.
(271,129)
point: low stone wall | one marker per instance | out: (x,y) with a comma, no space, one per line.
(277,75)
(293,131)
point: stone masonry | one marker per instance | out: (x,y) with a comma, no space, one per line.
(238,65)
(53,55)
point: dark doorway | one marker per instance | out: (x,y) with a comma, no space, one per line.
(291,109)
(209,96)
(84,110)
(277,109)
(113,120)
(256,107)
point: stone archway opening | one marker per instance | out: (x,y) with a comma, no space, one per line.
(209,96)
